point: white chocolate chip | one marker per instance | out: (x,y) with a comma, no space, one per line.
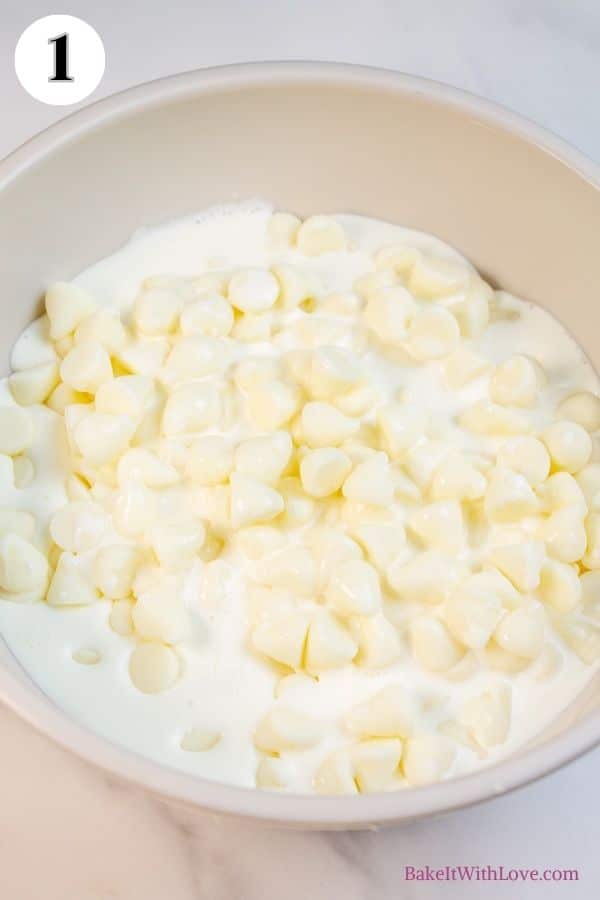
(568,444)
(264,458)
(333,371)
(391,712)
(274,773)
(35,384)
(134,509)
(69,586)
(200,740)
(86,367)
(401,426)
(253,290)
(66,306)
(139,464)
(22,567)
(191,408)
(78,526)
(296,286)
(252,501)
(517,382)
(383,542)
(322,425)
(522,631)
(582,408)
(257,541)
(432,334)
(209,460)
(87,656)
(106,328)
(433,277)
(371,482)
(323,471)
(493,419)
(565,535)
(375,763)
(560,586)
(440,526)
(588,480)
(509,497)
(335,775)
(354,589)
(253,328)
(427,758)
(16,430)
(290,567)
(433,646)
(283,639)
(176,544)
(428,578)
(100,437)
(521,563)
(526,455)
(285,729)
(476,606)
(209,283)
(562,491)
(328,645)
(320,234)
(331,547)
(120,619)
(153,667)
(464,366)
(272,404)
(282,230)
(24,471)
(267,604)
(127,395)
(378,641)
(473,310)
(63,396)
(389,312)
(487,716)
(299,507)
(398,258)
(211,316)
(456,478)
(581,635)
(159,615)
(143,357)
(156,311)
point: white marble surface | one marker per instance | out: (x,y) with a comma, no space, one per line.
(69,833)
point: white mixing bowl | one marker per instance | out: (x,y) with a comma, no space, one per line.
(310,137)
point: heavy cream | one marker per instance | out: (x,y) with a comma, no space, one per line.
(318,507)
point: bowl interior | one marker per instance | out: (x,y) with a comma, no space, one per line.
(309,139)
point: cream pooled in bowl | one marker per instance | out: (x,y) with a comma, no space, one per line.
(306,506)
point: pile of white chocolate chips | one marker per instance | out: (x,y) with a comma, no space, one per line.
(251,419)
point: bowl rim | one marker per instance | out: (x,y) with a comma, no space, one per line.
(272,807)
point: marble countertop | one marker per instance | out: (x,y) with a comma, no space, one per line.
(67,832)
